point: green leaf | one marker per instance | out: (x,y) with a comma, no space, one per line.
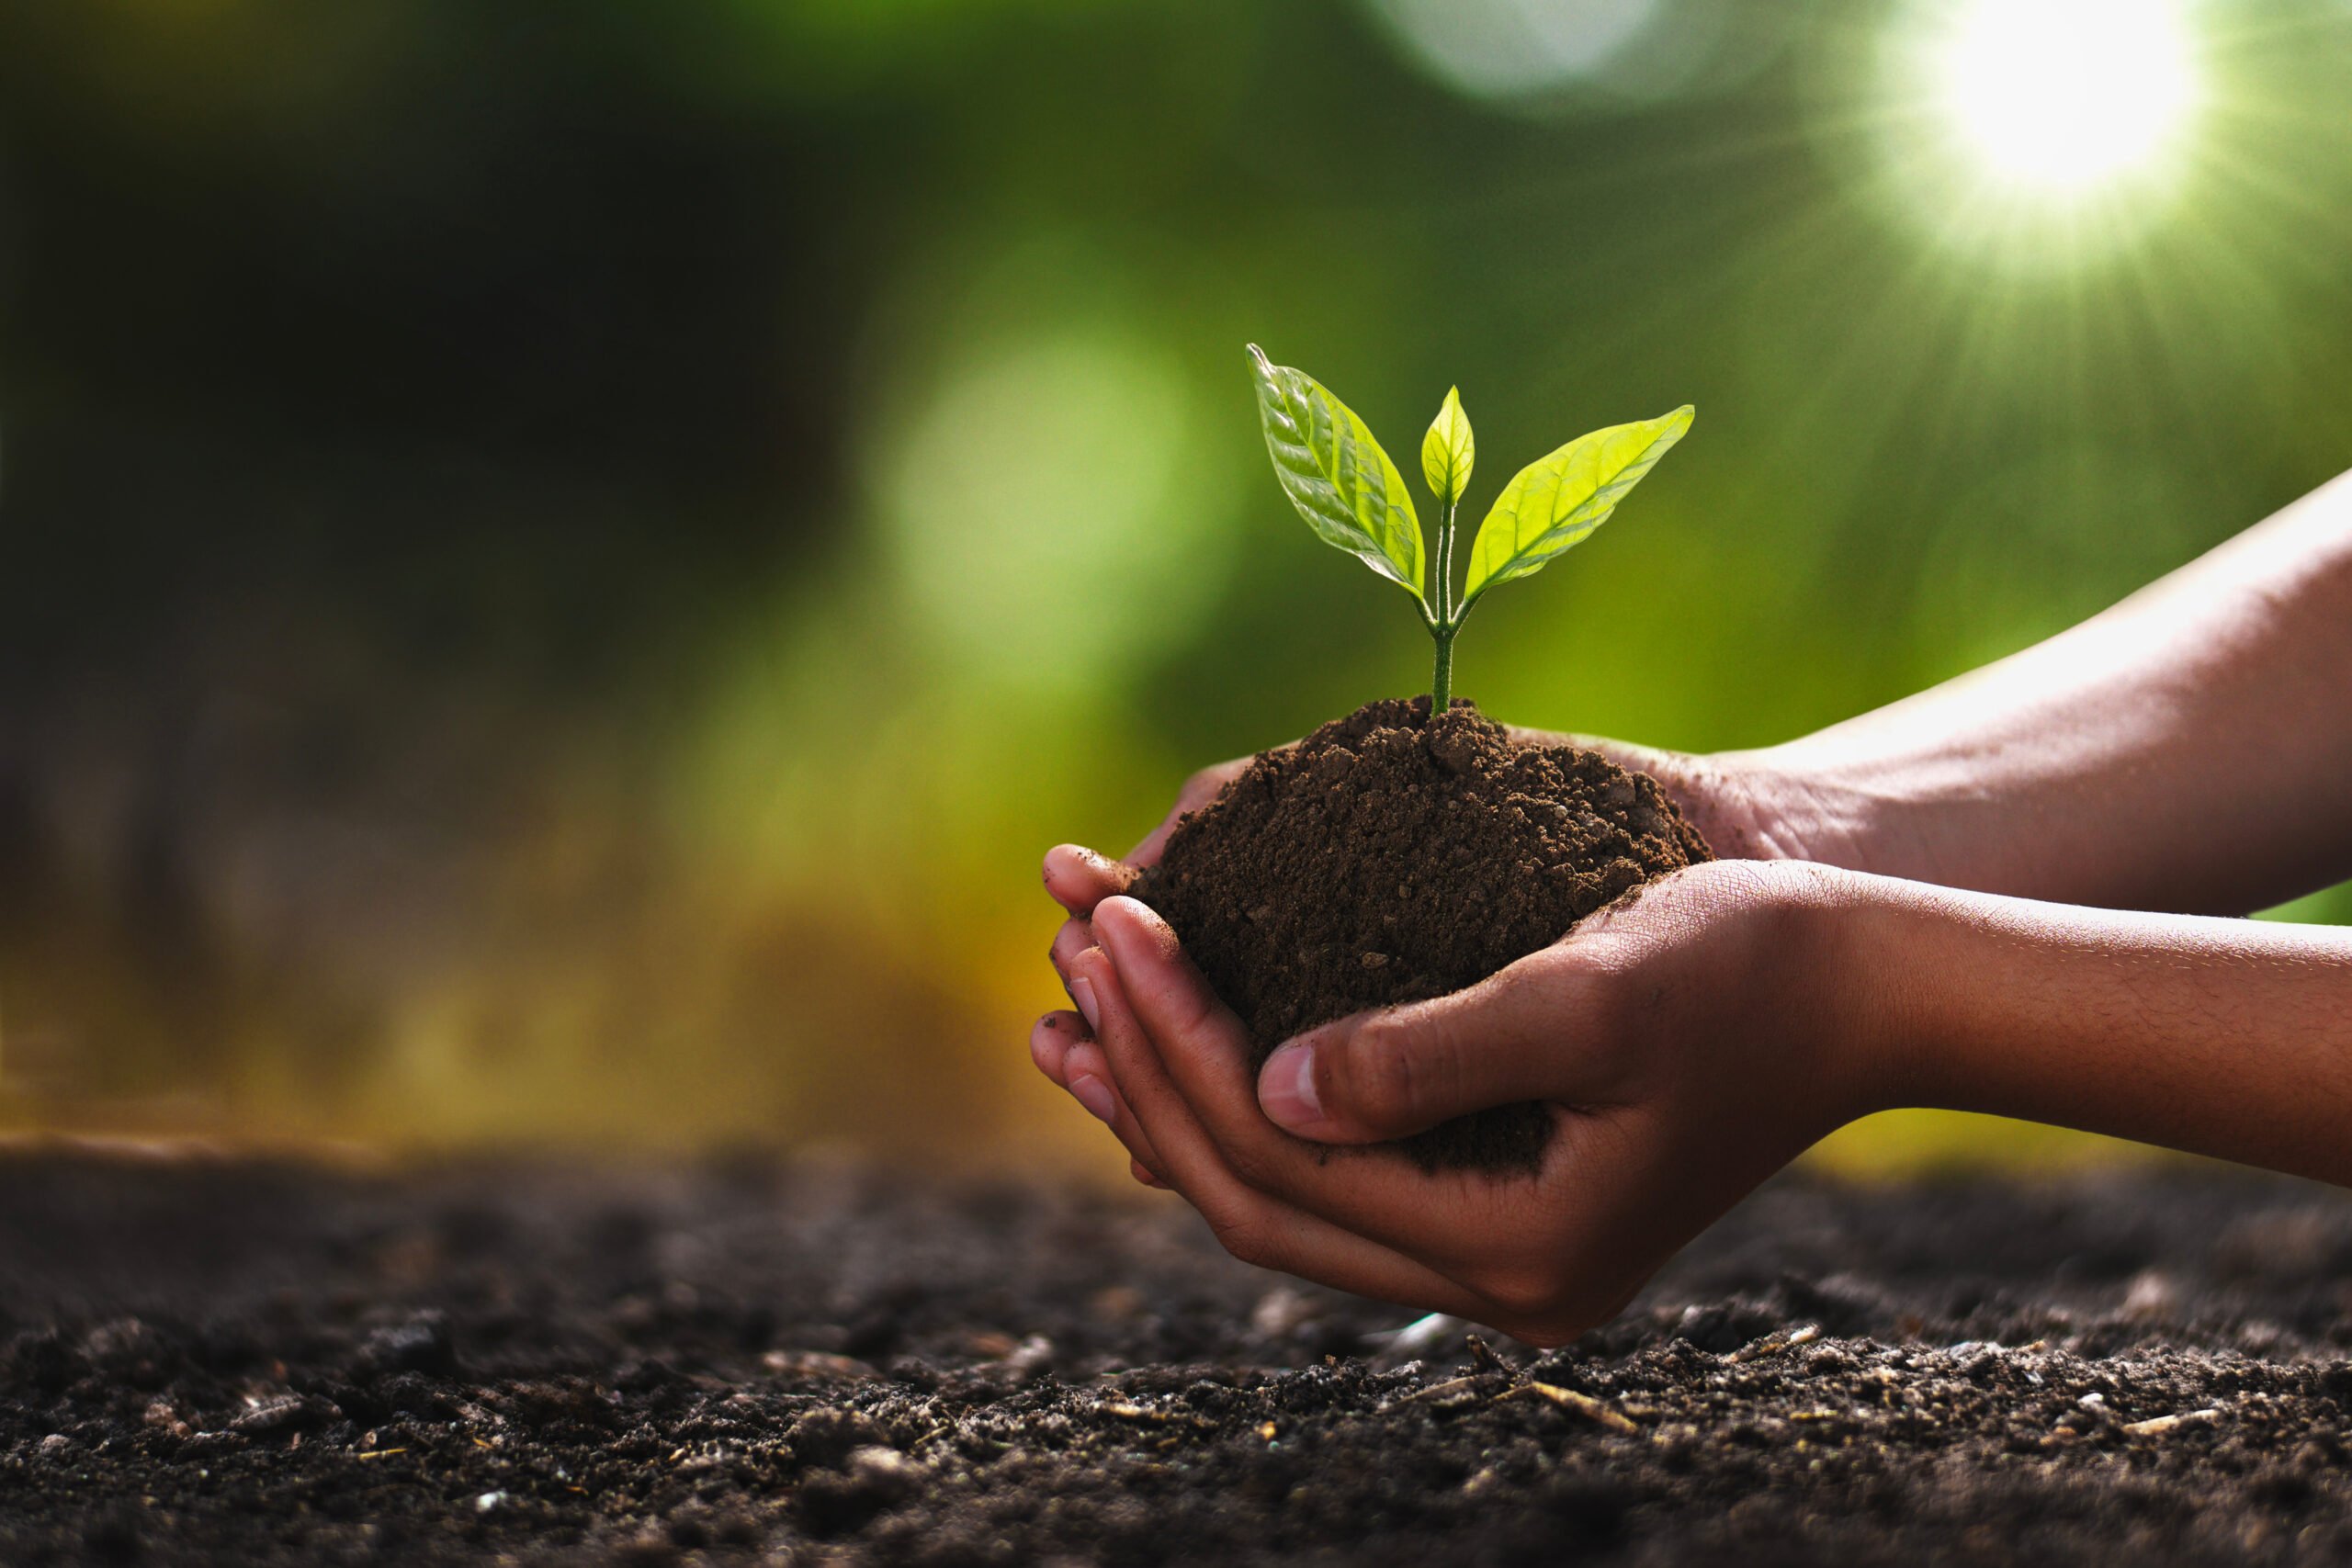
(1553,504)
(1448,450)
(1336,474)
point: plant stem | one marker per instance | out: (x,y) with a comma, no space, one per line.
(1442,628)
(1445,566)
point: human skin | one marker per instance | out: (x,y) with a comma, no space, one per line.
(1926,908)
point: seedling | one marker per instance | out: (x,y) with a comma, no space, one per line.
(1352,496)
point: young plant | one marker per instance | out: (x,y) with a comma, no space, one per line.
(1352,496)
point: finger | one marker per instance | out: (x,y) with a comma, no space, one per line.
(1078,878)
(1170,999)
(1050,1043)
(1093,1085)
(1050,1039)
(1250,1224)
(1203,1050)
(1396,1071)
(1074,938)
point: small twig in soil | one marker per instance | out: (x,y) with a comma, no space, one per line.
(1581,1404)
(1772,1345)
(1453,1390)
(816,1366)
(1157,1417)
(2159,1425)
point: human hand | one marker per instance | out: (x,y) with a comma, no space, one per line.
(1689,1043)
(1746,806)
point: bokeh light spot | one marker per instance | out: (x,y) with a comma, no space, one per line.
(1040,486)
(1502,49)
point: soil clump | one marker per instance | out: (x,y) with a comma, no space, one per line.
(1387,859)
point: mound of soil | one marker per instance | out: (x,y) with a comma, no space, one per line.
(1388,858)
(762,1362)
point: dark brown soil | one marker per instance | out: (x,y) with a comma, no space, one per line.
(759,1363)
(1386,859)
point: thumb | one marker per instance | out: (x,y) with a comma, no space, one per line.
(1396,1071)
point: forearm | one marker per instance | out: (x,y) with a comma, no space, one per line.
(2228,1038)
(2186,749)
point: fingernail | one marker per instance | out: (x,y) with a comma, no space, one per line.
(1095,1095)
(1084,995)
(1286,1086)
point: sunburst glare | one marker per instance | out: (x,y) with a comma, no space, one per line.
(2045,130)
(2061,96)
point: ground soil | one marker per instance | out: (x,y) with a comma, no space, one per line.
(1386,859)
(749,1361)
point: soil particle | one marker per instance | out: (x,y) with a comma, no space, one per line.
(1388,858)
(825,1439)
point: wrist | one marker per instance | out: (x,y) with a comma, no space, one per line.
(1857,814)
(1843,984)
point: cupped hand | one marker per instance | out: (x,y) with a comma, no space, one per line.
(1746,805)
(1689,1042)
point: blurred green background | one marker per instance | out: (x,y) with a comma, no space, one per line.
(560,563)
